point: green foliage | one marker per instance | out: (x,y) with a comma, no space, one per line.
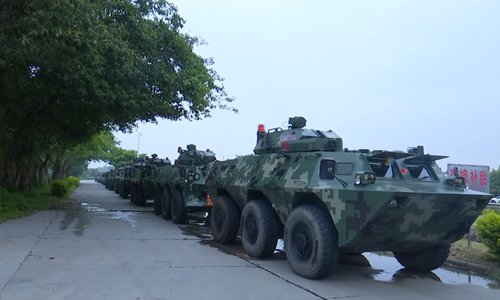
(71,69)
(120,157)
(73,181)
(495,181)
(16,204)
(488,227)
(61,188)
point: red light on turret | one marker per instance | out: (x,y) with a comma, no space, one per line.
(261,128)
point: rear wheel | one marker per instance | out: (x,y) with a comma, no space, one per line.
(178,208)
(166,211)
(121,190)
(423,260)
(224,220)
(157,202)
(140,196)
(258,229)
(126,189)
(133,193)
(311,242)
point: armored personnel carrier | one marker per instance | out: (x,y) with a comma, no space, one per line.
(323,200)
(123,180)
(180,188)
(109,181)
(142,185)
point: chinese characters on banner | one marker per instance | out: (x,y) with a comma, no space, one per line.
(476,177)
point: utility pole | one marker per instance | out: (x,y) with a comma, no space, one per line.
(138,142)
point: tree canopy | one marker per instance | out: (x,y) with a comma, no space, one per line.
(71,69)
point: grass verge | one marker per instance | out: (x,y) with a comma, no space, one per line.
(476,253)
(17,204)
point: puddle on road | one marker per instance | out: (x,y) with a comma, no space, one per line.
(80,216)
(390,270)
(128,216)
(75,215)
(91,207)
(378,267)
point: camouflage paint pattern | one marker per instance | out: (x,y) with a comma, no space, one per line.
(143,173)
(397,212)
(188,176)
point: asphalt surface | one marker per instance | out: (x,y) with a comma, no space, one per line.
(107,248)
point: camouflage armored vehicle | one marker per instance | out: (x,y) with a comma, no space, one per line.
(325,200)
(180,188)
(124,180)
(109,181)
(142,187)
(118,179)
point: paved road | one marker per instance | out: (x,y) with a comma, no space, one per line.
(107,248)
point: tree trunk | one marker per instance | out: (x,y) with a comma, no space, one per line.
(19,168)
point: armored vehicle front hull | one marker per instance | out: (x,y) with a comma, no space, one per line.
(180,188)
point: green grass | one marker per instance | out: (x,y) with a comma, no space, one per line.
(475,252)
(17,204)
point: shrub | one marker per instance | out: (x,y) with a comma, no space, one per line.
(488,227)
(59,188)
(73,181)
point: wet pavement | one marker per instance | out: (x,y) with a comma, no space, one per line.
(381,267)
(105,247)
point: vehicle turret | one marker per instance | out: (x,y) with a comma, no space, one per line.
(296,139)
(193,157)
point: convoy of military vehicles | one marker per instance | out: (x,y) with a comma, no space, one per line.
(301,185)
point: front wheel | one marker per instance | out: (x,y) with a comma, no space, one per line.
(311,244)
(423,260)
(178,208)
(258,229)
(140,196)
(224,220)
(166,211)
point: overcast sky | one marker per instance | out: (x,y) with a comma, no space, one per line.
(381,74)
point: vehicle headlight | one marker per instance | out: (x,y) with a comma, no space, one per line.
(362,178)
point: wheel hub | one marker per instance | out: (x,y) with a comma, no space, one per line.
(251,229)
(302,241)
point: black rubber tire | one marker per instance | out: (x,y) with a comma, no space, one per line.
(126,189)
(133,193)
(311,244)
(140,196)
(424,260)
(166,202)
(157,202)
(178,208)
(224,220)
(121,190)
(259,231)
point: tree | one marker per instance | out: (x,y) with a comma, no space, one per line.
(120,157)
(495,181)
(75,160)
(71,69)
